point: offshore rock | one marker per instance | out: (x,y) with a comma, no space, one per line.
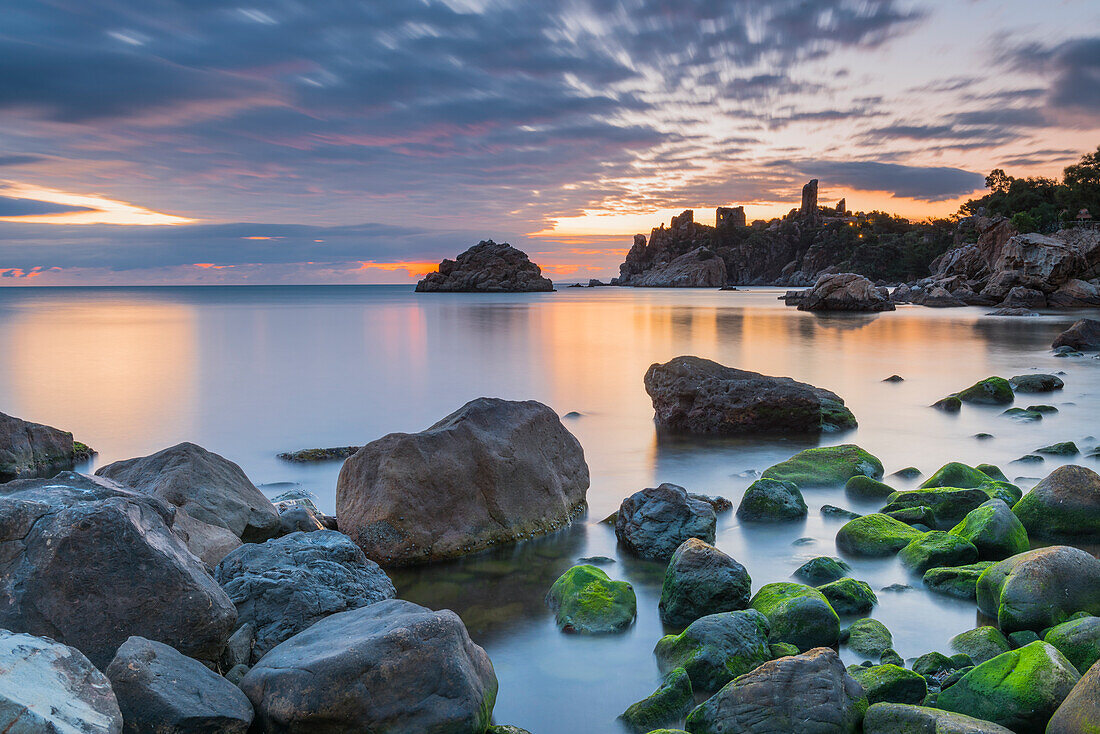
(32,449)
(846,292)
(654,522)
(1083,335)
(487,267)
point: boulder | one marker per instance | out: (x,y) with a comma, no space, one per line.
(208,487)
(694,395)
(716,648)
(896,718)
(846,292)
(875,535)
(284,585)
(390,667)
(701,580)
(822,570)
(1019,689)
(47,687)
(1077,639)
(810,693)
(980,644)
(890,684)
(849,596)
(585,600)
(1075,293)
(868,637)
(990,391)
(826,466)
(669,704)
(699,268)
(948,505)
(487,267)
(937,548)
(1036,383)
(654,522)
(209,542)
(864,487)
(1040,588)
(994,530)
(771,500)
(1080,710)
(91,563)
(958,581)
(1083,336)
(492,472)
(937,297)
(160,690)
(1064,507)
(1022,297)
(797,614)
(32,449)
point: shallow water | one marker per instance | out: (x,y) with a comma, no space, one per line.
(248,372)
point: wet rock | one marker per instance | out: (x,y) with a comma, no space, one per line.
(284,585)
(771,500)
(1075,293)
(654,522)
(669,704)
(389,667)
(949,505)
(72,549)
(308,456)
(1080,710)
(1082,336)
(1021,297)
(797,614)
(994,530)
(958,581)
(487,267)
(868,637)
(920,515)
(717,648)
(32,449)
(492,472)
(826,466)
(845,292)
(1078,640)
(1040,588)
(874,535)
(932,663)
(1063,448)
(839,512)
(693,395)
(47,687)
(701,580)
(699,268)
(1013,312)
(909,472)
(894,718)
(160,690)
(890,684)
(799,694)
(980,644)
(1021,415)
(937,297)
(1063,507)
(849,596)
(863,487)
(894,378)
(298,519)
(822,570)
(585,600)
(990,391)
(950,404)
(1036,383)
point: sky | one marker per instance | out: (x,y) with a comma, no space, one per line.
(332,141)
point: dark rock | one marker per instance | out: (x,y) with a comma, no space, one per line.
(894,378)
(797,614)
(489,268)
(1036,383)
(699,268)
(896,718)
(160,690)
(849,596)
(990,391)
(1075,293)
(1040,588)
(957,581)
(654,522)
(1063,448)
(303,456)
(283,586)
(840,512)
(1021,297)
(1080,710)
(771,500)
(298,519)
(868,637)
(585,600)
(669,704)
(845,292)
(890,683)
(716,648)
(693,395)
(1078,639)
(1063,507)
(91,563)
(950,404)
(1021,415)
(863,487)
(826,466)
(822,570)
(1083,335)
(494,471)
(701,580)
(32,449)
(387,668)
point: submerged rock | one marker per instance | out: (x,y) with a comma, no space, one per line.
(845,292)
(701,580)
(958,581)
(669,704)
(31,449)
(797,614)
(585,600)
(826,466)
(487,267)
(1036,383)
(868,637)
(822,570)
(864,487)
(875,535)
(895,718)
(716,648)
(654,522)
(1083,335)
(990,391)
(1040,588)
(937,548)
(308,456)
(849,596)
(1063,507)
(494,471)
(771,500)
(694,395)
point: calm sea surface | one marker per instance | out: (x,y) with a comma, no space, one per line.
(252,371)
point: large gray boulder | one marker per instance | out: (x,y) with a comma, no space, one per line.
(700,268)
(486,267)
(1040,588)
(845,292)
(208,487)
(654,522)
(1064,507)
(50,688)
(810,693)
(32,449)
(1084,335)
(388,668)
(286,584)
(694,395)
(161,691)
(1080,711)
(90,563)
(492,472)
(701,580)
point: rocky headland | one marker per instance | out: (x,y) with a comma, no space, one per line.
(487,267)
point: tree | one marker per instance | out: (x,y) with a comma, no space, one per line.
(998,182)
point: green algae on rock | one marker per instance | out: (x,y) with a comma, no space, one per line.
(897,718)
(950,404)
(797,614)
(890,684)
(875,535)
(990,391)
(937,548)
(957,581)
(1063,507)
(669,704)
(994,530)
(822,570)
(868,637)
(1040,588)
(1080,712)
(585,600)
(980,644)
(1078,640)
(826,466)
(864,487)
(716,648)
(701,580)
(958,475)
(771,500)
(1062,448)
(1022,415)
(948,504)
(849,596)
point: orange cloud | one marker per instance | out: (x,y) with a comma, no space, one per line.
(414,269)
(102,209)
(211,266)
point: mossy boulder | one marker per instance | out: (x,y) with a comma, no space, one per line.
(980,644)
(1023,415)
(701,580)
(585,600)
(1064,507)
(890,684)
(717,648)
(1078,640)
(958,475)
(992,471)
(826,466)
(1019,689)
(797,614)
(874,535)
(1062,448)
(822,570)
(932,663)
(782,649)
(1020,638)
(1080,712)
(990,391)
(994,530)
(1036,383)
(868,637)
(950,404)
(849,596)
(958,581)
(1040,588)
(917,515)
(864,487)
(669,704)
(949,504)
(771,500)
(897,718)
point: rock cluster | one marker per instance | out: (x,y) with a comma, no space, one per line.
(487,267)
(844,292)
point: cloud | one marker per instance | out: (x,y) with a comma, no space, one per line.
(1073,68)
(12,207)
(914,182)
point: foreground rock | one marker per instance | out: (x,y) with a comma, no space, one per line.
(849,596)
(654,522)
(826,466)
(698,268)
(1077,639)
(701,580)
(160,690)
(208,487)
(845,292)
(896,718)
(1080,711)
(980,644)
(1064,507)
(1083,336)
(49,687)
(585,600)
(488,268)
(284,585)
(771,500)
(798,615)
(890,684)
(694,395)
(669,704)
(875,535)
(32,449)
(716,648)
(960,582)
(799,694)
(90,563)
(389,667)
(492,472)
(994,530)
(1040,588)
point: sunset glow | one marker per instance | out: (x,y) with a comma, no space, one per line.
(101,209)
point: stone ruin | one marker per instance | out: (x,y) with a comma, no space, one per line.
(727,216)
(809,199)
